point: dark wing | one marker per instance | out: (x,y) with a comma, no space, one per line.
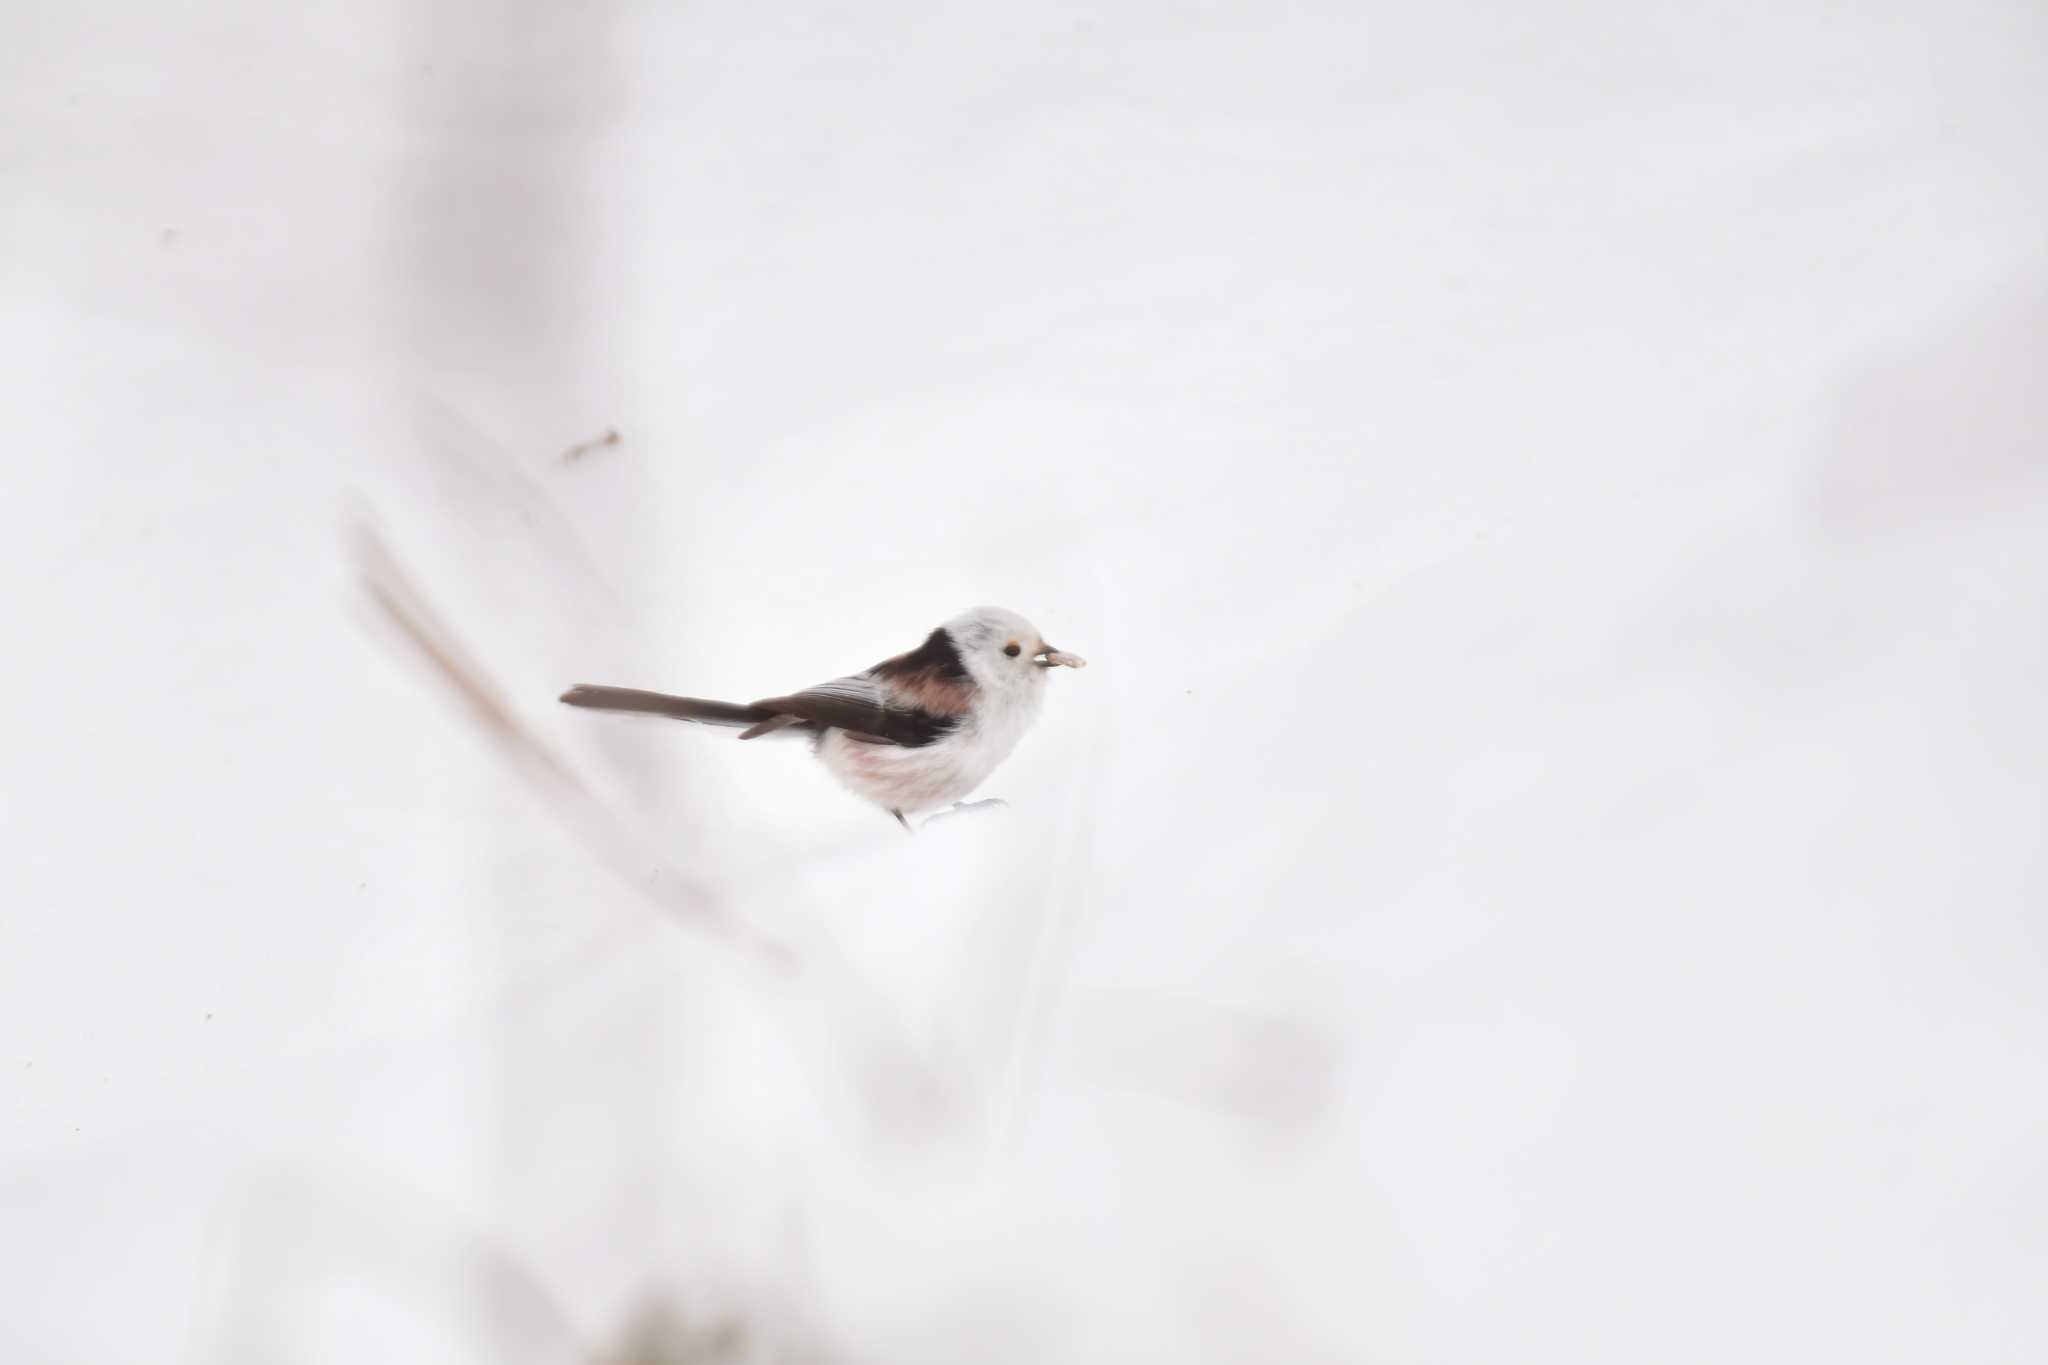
(866,709)
(661,704)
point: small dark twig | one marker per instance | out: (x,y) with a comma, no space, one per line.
(582,448)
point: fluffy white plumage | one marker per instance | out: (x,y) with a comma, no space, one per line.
(913,733)
(1008,694)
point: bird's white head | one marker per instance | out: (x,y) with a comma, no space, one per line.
(1003,652)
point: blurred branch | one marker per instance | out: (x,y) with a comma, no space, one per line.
(615,844)
(897,1084)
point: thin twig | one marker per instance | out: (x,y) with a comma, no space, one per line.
(582,448)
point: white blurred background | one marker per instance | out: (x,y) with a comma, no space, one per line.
(1547,864)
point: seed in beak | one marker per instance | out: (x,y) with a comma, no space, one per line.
(1056,658)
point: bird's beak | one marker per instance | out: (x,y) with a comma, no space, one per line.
(1055,658)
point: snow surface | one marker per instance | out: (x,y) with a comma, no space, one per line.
(1547,864)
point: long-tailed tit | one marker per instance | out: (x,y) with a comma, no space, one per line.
(912,733)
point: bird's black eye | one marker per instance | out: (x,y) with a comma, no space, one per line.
(1013,649)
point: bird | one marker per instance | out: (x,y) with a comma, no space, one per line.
(914,733)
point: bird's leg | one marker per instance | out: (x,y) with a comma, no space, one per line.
(966,807)
(903,822)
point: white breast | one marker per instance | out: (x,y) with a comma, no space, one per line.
(938,774)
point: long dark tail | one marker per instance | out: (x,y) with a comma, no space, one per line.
(661,704)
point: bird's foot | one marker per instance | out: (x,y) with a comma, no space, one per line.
(966,808)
